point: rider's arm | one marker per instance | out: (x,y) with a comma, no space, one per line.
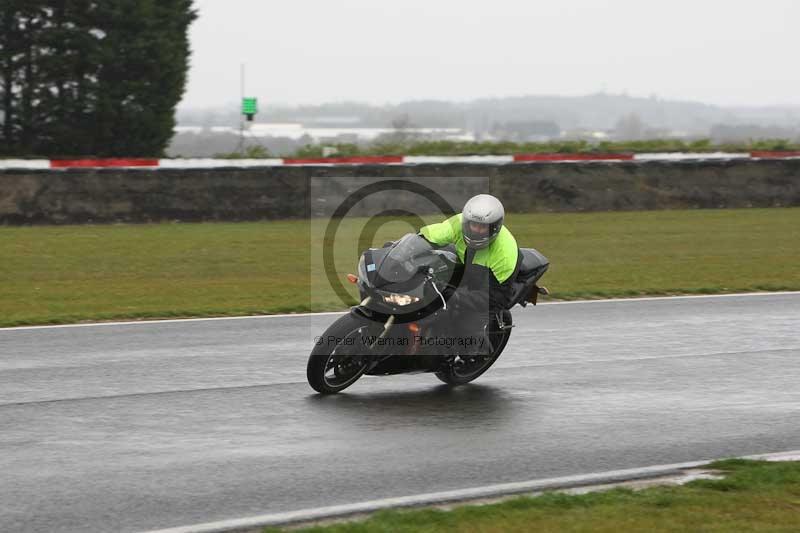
(444,232)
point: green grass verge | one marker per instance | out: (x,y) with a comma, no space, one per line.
(754,496)
(63,274)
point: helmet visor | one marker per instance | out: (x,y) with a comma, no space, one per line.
(479,229)
(479,234)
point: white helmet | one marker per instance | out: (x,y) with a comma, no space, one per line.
(482,220)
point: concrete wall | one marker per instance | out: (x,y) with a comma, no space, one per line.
(137,195)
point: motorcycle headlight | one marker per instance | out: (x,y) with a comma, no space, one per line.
(399,299)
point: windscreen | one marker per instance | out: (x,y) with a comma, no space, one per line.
(402,261)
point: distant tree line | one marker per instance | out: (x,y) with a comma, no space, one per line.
(743,132)
(83,77)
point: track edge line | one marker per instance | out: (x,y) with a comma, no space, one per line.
(323,313)
(455,496)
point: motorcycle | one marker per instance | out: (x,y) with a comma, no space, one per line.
(400,325)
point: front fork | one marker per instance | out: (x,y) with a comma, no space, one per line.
(375,361)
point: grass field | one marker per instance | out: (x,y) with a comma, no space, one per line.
(63,274)
(754,496)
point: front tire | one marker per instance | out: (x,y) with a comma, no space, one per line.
(341,356)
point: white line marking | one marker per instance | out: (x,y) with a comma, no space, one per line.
(170,321)
(433,498)
(324,313)
(512,366)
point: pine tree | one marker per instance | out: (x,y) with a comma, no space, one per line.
(84,77)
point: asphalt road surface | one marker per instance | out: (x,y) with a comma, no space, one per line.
(151,425)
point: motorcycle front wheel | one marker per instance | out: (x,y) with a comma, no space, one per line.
(341,355)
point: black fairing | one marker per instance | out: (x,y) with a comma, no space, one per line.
(402,268)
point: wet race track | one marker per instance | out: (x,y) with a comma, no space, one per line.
(132,427)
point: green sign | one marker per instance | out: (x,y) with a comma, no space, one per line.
(249,106)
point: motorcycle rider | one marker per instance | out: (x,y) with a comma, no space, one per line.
(490,256)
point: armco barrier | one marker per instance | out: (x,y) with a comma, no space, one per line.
(385,160)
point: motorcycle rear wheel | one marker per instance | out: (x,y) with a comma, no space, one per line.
(462,374)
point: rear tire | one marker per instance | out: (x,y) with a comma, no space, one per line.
(454,376)
(335,362)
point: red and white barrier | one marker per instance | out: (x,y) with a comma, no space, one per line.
(61,164)
(468,159)
(522,158)
(218,163)
(31,164)
(760,154)
(101,163)
(681,156)
(358,160)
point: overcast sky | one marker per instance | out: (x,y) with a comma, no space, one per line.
(313,51)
